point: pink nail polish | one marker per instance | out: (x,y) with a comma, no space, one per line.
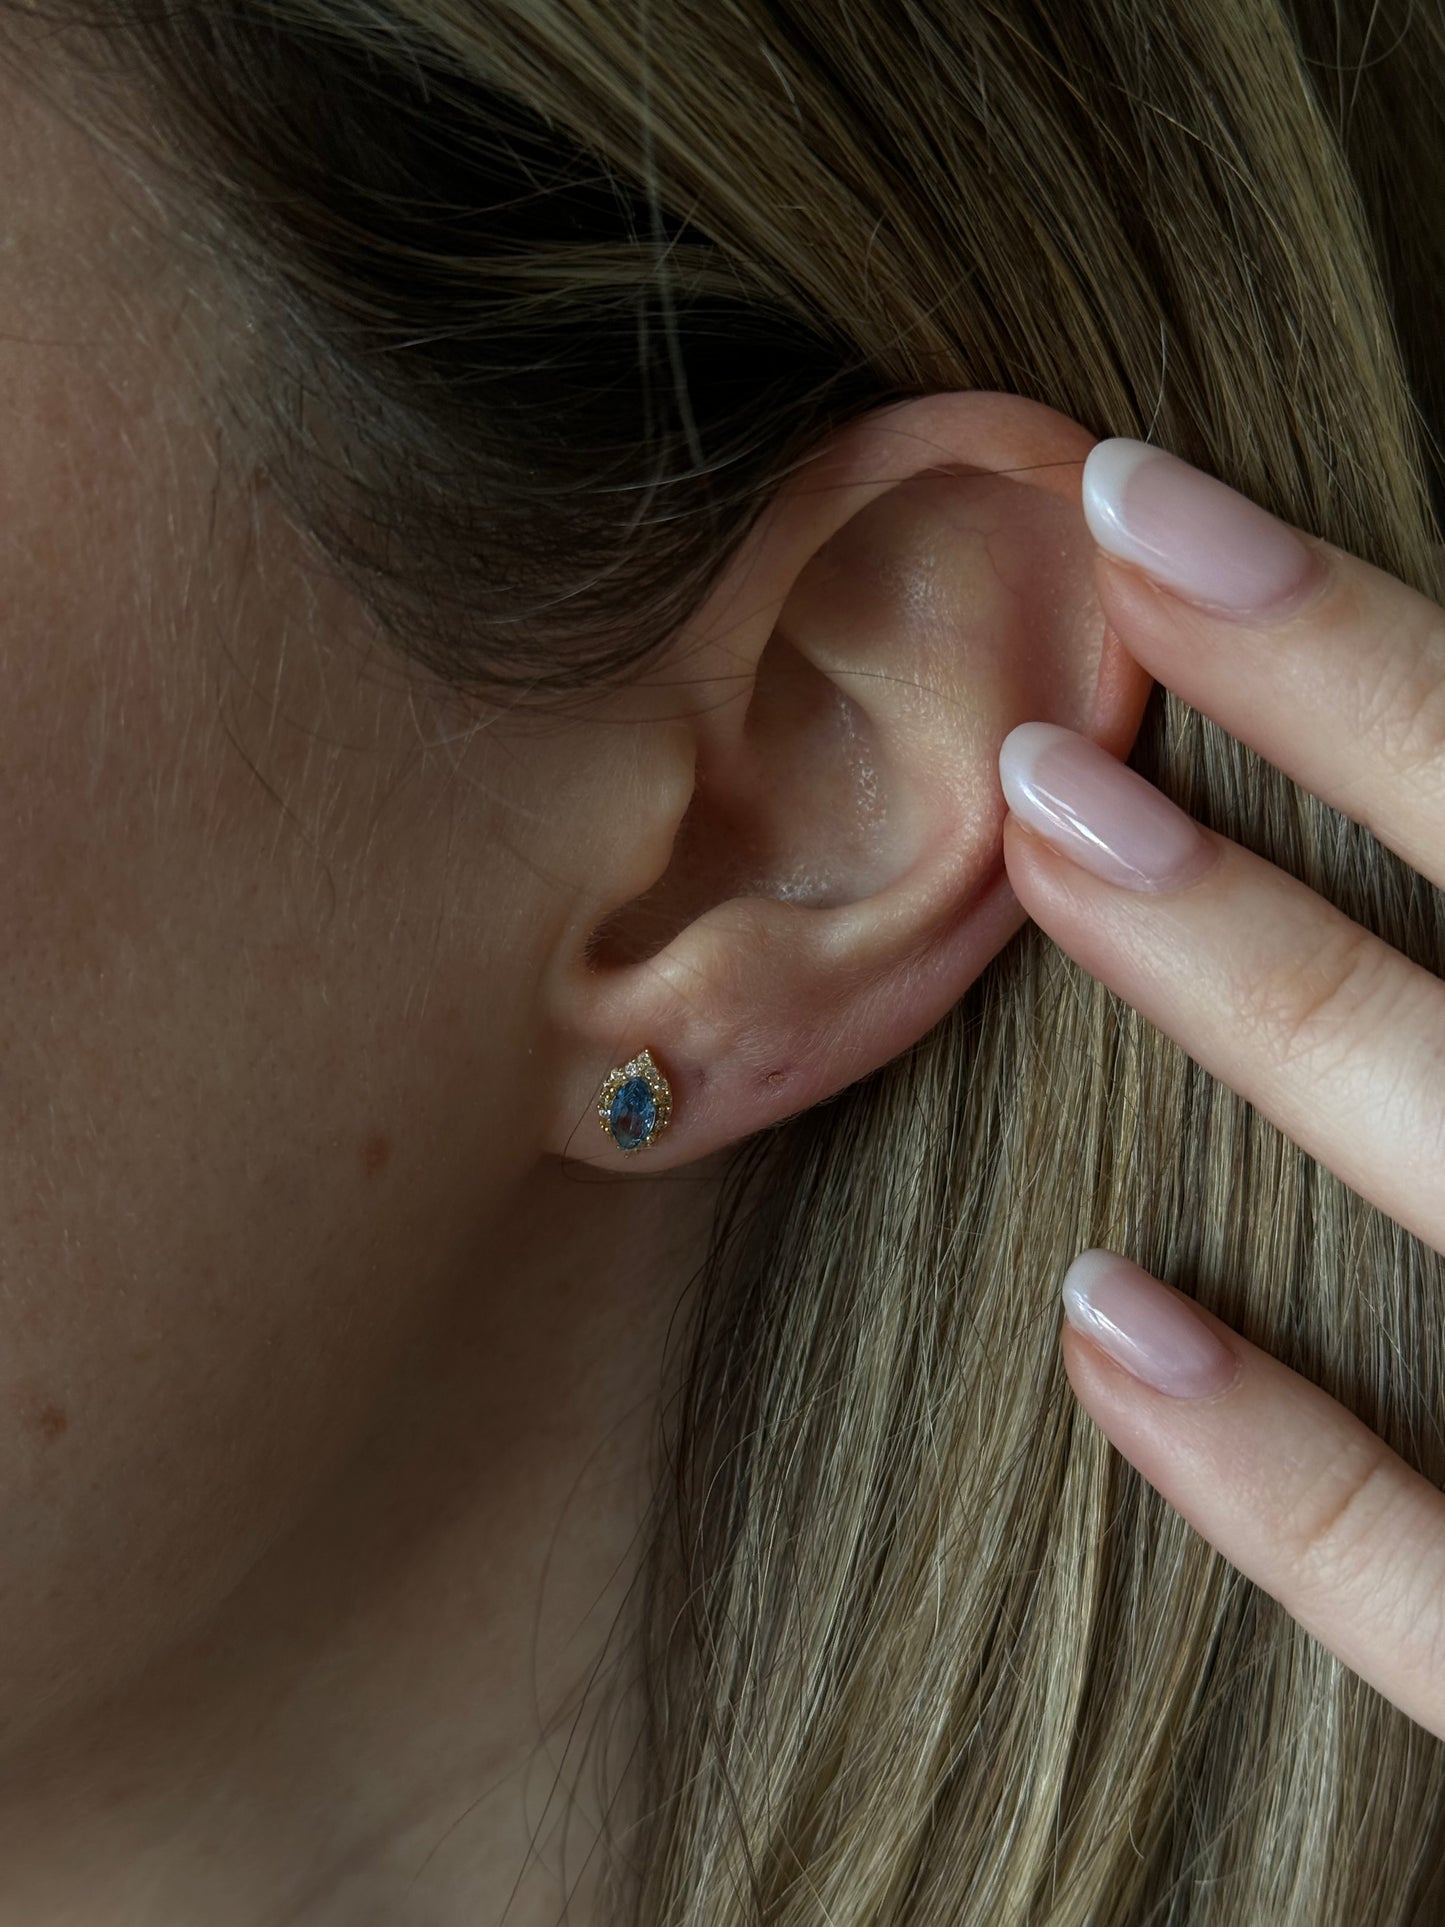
(1099,812)
(1143,1326)
(1194,535)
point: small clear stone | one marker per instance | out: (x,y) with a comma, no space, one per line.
(632,1114)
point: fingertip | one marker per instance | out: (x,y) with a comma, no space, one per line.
(1149,1329)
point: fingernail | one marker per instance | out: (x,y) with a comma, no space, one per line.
(1191,533)
(1145,1327)
(1099,812)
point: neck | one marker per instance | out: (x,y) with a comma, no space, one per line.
(385,1722)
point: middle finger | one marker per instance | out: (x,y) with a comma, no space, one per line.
(1331,1033)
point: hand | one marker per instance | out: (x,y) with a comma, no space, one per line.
(1335,672)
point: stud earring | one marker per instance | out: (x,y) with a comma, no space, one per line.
(635,1103)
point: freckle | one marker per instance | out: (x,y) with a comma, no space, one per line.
(375,1153)
(50,1421)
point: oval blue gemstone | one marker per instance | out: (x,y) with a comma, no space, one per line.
(632,1114)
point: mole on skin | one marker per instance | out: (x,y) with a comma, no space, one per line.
(374,1154)
(40,1415)
(51,1421)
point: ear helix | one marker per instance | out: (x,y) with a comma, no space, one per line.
(634,1104)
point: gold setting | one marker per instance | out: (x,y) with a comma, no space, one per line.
(645,1067)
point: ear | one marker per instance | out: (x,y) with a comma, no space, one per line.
(809,868)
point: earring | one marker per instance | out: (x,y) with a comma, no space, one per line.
(635,1103)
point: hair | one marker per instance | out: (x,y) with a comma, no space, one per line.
(543,300)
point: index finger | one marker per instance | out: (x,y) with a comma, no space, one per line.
(1290,1486)
(1329,667)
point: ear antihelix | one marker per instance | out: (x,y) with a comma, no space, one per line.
(634,1104)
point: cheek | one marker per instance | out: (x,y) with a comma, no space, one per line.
(246,1155)
(261,963)
(182,1363)
(248,1018)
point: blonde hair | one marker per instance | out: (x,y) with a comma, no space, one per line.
(573,287)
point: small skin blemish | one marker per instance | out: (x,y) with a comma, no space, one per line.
(50,1421)
(374,1153)
(42,1417)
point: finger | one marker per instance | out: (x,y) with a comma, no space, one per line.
(1333,670)
(1330,1032)
(1290,1487)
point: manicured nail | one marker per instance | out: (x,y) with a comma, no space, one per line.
(1145,1327)
(1099,812)
(1191,533)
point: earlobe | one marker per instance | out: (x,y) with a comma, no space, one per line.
(837,881)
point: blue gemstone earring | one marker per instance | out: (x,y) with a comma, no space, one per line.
(635,1103)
